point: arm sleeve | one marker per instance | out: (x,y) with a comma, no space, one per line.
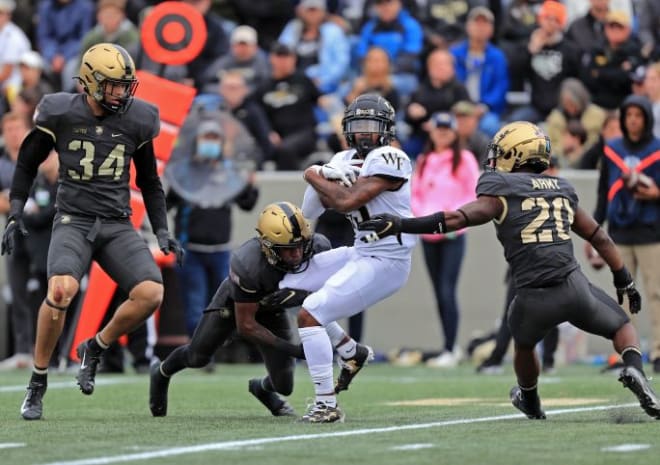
(312,207)
(34,150)
(601,197)
(149,183)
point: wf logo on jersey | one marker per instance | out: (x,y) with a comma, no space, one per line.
(392,159)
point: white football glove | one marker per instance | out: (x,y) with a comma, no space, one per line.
(345,172)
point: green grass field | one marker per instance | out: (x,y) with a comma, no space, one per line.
(394,415)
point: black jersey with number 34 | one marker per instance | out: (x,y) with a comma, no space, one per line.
(95,152)
(535,226)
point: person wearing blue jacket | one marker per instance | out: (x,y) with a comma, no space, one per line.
(322,47)
(629,201)
(483,68)
(396,31)
(60,29)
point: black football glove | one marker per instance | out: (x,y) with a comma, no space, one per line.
(168,244)
(381,226)
(284,298)
(623,281)
(14,224)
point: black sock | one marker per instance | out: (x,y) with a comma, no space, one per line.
(176,361)
(267,385)
(94,348)
(632,357)
(41,378)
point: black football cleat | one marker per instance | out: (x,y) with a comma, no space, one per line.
(32,407)
(273,402)
(89,362)
(634,380)
(350,367)
(158,387)
(530,407)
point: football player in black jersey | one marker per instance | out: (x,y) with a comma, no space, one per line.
(533,215)
(96,134)
(249,303)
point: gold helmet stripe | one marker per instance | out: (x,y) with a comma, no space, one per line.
(297,230)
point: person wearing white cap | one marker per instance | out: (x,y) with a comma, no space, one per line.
(13,42)
(244,56)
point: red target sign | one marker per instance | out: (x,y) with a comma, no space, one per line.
(173,33)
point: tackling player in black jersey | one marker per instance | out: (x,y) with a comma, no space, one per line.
(249,303)
(96,135)
(533,215)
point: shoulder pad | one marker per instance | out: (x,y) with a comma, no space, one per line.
(321,243)
(50,107)
(388,161)
(494,184)
(146,117)
(243,264)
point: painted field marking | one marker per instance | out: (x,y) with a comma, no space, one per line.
(226,445)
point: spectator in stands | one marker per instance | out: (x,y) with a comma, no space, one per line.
(112,27)
(517,25)
(22,314)
(244,56)
(235,99)
(652,89)
(445,177)
(266,16)
(438,91)
(443,21)
(572,145)
(574,104)
(482,67)
(396,31)
(289,99)
(549,59)
(376,77)
(629,200)
(205,233)
(13,43)
(587,32)
(61,27)
(606,69)
(322,48)
(216,45)
(611,129)
(31,66)
(467,116)
(649,29)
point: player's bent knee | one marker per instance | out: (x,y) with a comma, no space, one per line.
(197,360)
(149,292)
(61,291)
(305,319)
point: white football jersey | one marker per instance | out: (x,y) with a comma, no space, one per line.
(387,161)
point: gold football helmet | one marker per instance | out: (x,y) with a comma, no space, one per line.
(282,225)
(519,144)
(103,67)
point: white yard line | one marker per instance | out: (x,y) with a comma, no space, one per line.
(169,452)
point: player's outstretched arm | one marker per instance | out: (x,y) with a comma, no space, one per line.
(587,228)
(248,327)
(481,211)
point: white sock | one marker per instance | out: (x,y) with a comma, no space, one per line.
(348,349)
(318,352)
(335,332)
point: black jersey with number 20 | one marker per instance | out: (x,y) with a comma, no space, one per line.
(535,226)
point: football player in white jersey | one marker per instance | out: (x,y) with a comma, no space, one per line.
(347,280)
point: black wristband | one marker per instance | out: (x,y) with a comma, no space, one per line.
(430,224)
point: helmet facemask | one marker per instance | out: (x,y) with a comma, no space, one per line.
(368,123)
